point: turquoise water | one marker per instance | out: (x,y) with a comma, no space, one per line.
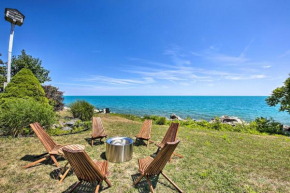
(196,107)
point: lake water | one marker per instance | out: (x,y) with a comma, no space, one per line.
(196,107)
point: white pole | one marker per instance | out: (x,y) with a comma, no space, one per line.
(10,52)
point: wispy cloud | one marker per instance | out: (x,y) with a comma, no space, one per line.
(259,76)
(287,53)
(266,66)
(117,81)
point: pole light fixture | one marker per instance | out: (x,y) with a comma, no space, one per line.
(15,17)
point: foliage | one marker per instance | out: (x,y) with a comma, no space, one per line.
(33,64)
(270,126)
(19,113)
(82,110)
(156,119)
(2,74)
(161,121)
(54,96)
(24,85)
(281,95)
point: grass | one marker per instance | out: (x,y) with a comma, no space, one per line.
(214,161)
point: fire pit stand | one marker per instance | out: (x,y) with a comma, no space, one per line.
(119,149)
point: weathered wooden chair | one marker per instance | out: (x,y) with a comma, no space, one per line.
(149,167)
(51,147)
(98,131)
(170,136)
(145,132)
(85,168)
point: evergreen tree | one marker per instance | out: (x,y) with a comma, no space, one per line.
(24,85)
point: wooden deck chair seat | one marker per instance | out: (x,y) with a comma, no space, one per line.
(151,167)
(85,168)
(98,131)
(170,136)
(51,147)
(145,132)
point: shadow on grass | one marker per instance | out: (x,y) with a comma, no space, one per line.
(54,174)
(33,158)
(140,142)
(143,186)
(103,155)
(96,141)
(85,187)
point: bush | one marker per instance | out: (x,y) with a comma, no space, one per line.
(265,125)
(161,121)
(24,85)
(82,110)
(54,96)
(19,113)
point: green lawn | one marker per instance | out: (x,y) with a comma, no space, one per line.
(214,161)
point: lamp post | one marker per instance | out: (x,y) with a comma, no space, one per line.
(15,18)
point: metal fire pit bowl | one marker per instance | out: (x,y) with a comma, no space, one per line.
(119,149)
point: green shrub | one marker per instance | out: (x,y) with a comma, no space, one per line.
(23,85)
(161,121)
(270,126)
(19,113)
(82,110)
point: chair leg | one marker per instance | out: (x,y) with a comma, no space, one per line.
(76,184)
(92,141)
(54,160)
(150,185)
(62,176)
(179,190)
(34,163)
(98,187)
(108,182)
(178,155)
(138,180)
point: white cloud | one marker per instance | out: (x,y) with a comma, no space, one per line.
(241,77)
(266,66)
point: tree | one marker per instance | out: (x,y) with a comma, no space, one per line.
(281,95)
(24,85)
(2,74)
(54,96)
(33,64)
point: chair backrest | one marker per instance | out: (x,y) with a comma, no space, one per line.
(97,127)
(82,165)
(171,133)
(159,162)
(45,139)
(146,129)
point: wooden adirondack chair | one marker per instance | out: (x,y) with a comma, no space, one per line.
(51,147)
(151,167)
(145,132)
(170,136)
(98,131)
(85,168)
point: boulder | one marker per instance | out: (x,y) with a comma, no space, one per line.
(286,127)
(174,116)
(66,108)
(230,120)
(66,128)
(72,122)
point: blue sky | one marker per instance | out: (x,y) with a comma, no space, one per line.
(149,47)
